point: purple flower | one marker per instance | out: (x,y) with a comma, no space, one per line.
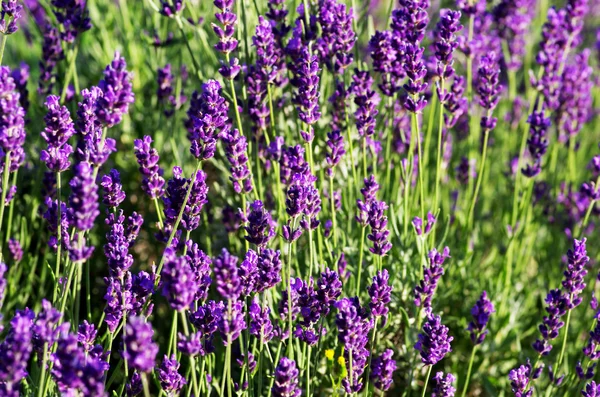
(44,328)
(83,201)
(418,224)
(117,92)
(537,144)
(73,16)
(329,289)
(206,320)
(383,370)
(58,131)
(488,88)
(556,307)
(235,150)
(591,390)
(260,322)
(416,72)
(15,249)
(86,335)
(232,323)
(336,151)
(52,53)
(229,283)
(591,349)
(147,158)
(481,313)
(306,96)
(175,196)
(445,43)
(434,342)
(286,379)
(260,226)
(368,192)
(170,8)
(15,352)
(201,266)
(134,386)
(269,269)
(12,11)
(519,381)
(207,118)
(513,18)
(248,271)
(139,349)
(384,55)
(379,233)
(179,281)
(113,189)
(380,293)
(267,56)
(443,385)
(465,171)
(170,380)
(20,76)
(431,275)
(225,31)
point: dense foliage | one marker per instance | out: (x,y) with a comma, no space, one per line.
(299,197)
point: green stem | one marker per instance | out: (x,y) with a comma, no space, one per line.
(360,260)
(419,163)
(439,148)
(479,179)
(192,358)
(69,75)
(466,386)
(42,380)
(3,45)
(145,385)
(5,174)
(11,208)
(426,381)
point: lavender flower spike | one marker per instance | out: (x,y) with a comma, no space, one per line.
(383,370)
(443,385)
(286,379)
(481,313)
(117,92)
(147,157)
(434,342)
(380,293)
(139,349)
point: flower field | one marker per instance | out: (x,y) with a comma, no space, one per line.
(299,197)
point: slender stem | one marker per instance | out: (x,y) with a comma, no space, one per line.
(426,381)
(69,75)
(11,208)
(479,179)
(192,359)
(333,214)
(2,45)
(5,174)
(368,369)
(145,385)
(290,350)
(42,381)
(158,212)
(419,163)
(58,234)
(470,58)
(360,260)
(466,386)
(564,342)
(439,149)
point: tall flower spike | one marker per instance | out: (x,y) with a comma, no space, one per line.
(519,381)
(306,96)
(481,313)
(592,389)
(434,342)
(443,385)
(286,379)
(15,352)
(383,370)
(83,209)
(431,275)
(379,235)
(117,92)
(207,118)
(139,349)
(445,43)
(260,226)
(228,281)
(336,151)
(225,31)
(147,158)
(537,143)
(380,293)
(236,148)
(179,281)
(488,88)
(113,189)
(58,131)
(168,376)
(73,16)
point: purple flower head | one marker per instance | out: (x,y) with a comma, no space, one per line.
(416,71)
(139,349)
(335,152)
(286,379)
(44,331)
(269,269)
(465,171)
(537,143)
(329,289)
(556,307)
(113,189)
(368,192)
(592,389)
(488,88)
(236,148)
(383,370)
(58,131)
(232,321)
(192,345)
(134,387)
(380,293)
(267,55)
(481,313)
(86,335)
(20,76)
(379,235)
(179,281)
(418,224)
(229,283)
(170,8)
(260,227)
(73,16)
(207,117)
(260,322)
(117,92)
(431,275)
(168,376)
(15,351)
(15,249)
(443,385)
(573,282)
(519,381)
(12,11)
(52,53)
(225,30)
(384,55)
(87,118)
(248,272)
(306,96)
(445,43)
(147,158)
(175,196)
(201,266)
(83,201)
(434,342)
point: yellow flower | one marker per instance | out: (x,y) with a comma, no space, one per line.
(341,361)
(329,354)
